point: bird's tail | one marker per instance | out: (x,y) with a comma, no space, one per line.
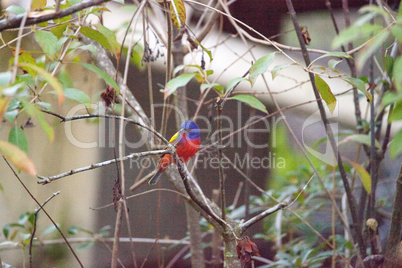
(155,178)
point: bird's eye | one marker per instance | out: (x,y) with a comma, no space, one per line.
(189,130)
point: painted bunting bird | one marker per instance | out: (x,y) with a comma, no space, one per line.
(187,142)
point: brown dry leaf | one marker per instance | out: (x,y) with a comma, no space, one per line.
(109,96)
(245,249)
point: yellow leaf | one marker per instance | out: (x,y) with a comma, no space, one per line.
(177,9)
(326,93)
(363,174)
(38,4)
(4,102)
(17,157)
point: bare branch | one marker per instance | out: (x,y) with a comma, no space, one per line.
(244,226)
(15,21)
(45,180)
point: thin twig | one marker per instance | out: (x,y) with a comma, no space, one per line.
(279,110)
(351,200)
(221,174)
(95,239)
(44,211)
(128,120)
(34,225)
(115,250)
(17,49)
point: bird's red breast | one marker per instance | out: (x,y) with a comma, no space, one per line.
(185,149)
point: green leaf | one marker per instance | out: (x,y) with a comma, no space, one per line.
(216,86)
(77,95)
(252,101)
(27,217)
(400,10)
(111,37)
(17,137)
(17,10)
(260,67)
(326,93)
(47,106)
(25,57)
(397,74)
(48,77)
(389,98)
(119,1)
(65,78)
(332,55)
(76,229)
(374,9)
(47,41)
(345,36)
(360,138)
(17,157)
(5,79)
(277,68)
(359,84)
(96,36)
(396,145)
(34,112)
(371,47)
(107,78)
(396,31)
(11,115)
(59,30)
(234,82)
(175,83)
(204,49)
(104,231)
(25,238)
(354,33)
(49,229)
(363,174)
(65,18)
(332,63)
(396,113)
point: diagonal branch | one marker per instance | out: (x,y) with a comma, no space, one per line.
(15,21)
(44,211)
(351,200)
(244,226)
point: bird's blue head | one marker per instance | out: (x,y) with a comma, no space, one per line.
(191,129)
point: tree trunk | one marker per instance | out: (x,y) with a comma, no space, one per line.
(230,253)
